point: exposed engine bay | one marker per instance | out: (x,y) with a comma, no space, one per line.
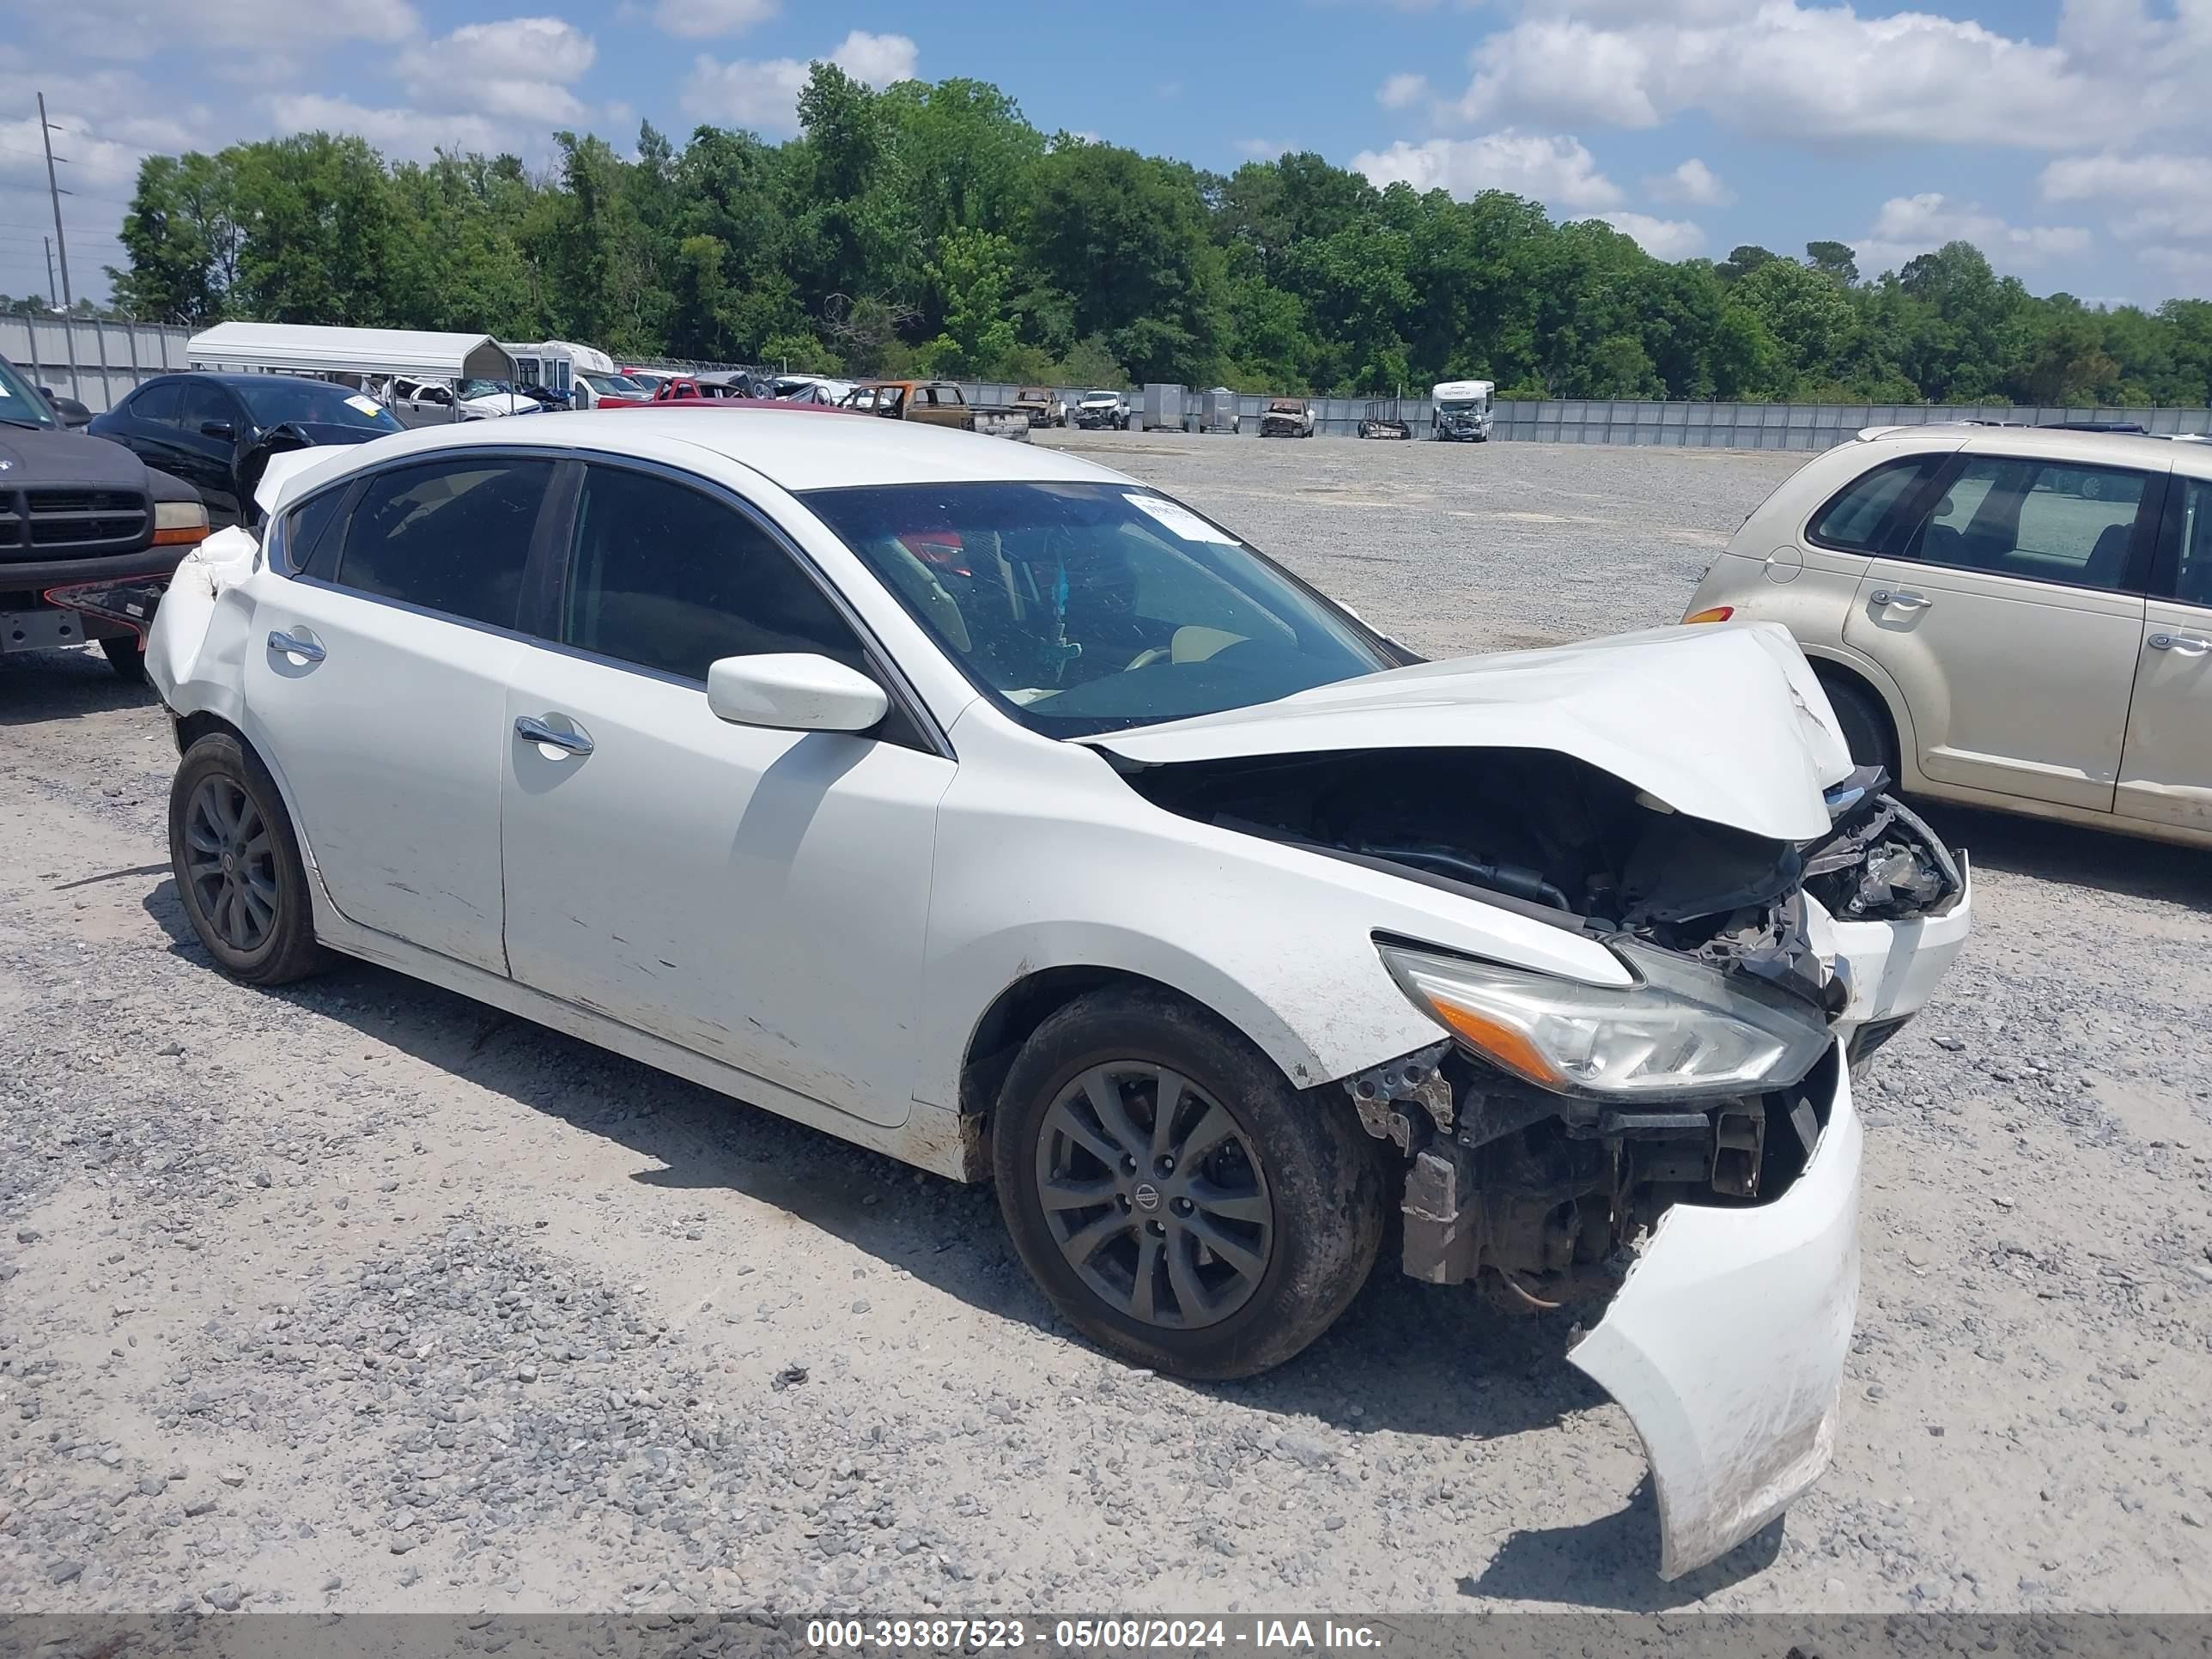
(1547,1188)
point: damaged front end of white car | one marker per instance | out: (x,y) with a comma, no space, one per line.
(1680,1143)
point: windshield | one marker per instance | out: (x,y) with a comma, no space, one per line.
(485,388)
(19,405)
(614,385)
(313,403)
(1460,405)
(1081,608)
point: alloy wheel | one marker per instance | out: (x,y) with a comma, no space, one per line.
(1152,1190)
(231,864)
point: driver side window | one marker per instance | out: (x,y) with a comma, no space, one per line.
(668,578)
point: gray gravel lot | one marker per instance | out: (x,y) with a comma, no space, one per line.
(359,1295)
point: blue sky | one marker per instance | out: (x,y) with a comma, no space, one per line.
(2070,138)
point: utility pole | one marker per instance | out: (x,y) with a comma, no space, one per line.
(49,242)
(55,192)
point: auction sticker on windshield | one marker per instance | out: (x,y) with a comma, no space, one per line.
(1179,519)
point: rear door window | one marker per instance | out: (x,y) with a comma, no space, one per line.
(452,536)
(158,405)
(2038,520)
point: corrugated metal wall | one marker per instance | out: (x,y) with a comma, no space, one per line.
(96,363)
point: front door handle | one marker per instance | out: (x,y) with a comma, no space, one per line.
(2189,645)
(1902,598)
(303,646)
(575,742)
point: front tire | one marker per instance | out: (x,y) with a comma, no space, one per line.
(239,874)
(1214,1244)
(125,657)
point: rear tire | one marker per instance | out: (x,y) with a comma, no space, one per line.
(1865,723)
(239,874)
(125,657)
(1285,1185)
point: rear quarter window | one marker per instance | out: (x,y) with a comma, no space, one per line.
(1856,519)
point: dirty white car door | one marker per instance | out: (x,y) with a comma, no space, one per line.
(2166,771)
(2012,620)
(757,896)
(377,678)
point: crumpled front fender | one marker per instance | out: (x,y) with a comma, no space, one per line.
(1726,1345)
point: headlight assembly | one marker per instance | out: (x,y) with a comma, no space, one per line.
(1681,1032)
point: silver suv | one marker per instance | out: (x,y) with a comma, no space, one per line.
(2017,618)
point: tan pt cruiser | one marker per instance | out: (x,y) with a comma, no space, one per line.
(2012,617)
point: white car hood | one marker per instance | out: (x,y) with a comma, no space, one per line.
(1725,723)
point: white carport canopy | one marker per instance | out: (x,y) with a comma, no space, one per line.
(289,349)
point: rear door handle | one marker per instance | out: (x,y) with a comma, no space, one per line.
(1902,598)
(301,645)
(2187,644)
(575,742)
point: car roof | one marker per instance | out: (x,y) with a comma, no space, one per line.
(779,443)
(2054,443)
(234,378)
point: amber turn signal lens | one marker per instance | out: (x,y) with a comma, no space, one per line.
(1717,613)
(1509,1047)
(189,534)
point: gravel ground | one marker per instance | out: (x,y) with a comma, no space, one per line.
(359,1295)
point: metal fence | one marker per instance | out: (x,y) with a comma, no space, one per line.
(1672,425)
(97,364)
(1786,426)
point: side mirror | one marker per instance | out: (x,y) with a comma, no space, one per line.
(222,429)
(794,692)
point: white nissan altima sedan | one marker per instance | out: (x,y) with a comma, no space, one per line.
(995,812)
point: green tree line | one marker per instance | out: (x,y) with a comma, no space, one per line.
(930,228)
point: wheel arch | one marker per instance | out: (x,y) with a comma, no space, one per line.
(205,722)
(1026,1002)
(1830,665)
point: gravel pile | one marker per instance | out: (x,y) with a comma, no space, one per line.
(362,1297)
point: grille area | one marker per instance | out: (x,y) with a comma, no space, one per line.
(37,523)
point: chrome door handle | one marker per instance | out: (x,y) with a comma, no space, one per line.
(2187,644)
(1903,598)
(295,645)
(578,742)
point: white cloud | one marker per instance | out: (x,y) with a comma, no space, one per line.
(1559,171)
(1403,91)
(2188,268)
(1662,239)
(701,20)
(763,93)
(411,134)
(2165,196)
(1787,69)
(879,59)
(521,67)
(1911,225)
(260,28)
(1692,184)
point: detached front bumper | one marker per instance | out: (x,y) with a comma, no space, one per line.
(1726,1345)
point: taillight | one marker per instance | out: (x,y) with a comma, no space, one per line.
(1712,614)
